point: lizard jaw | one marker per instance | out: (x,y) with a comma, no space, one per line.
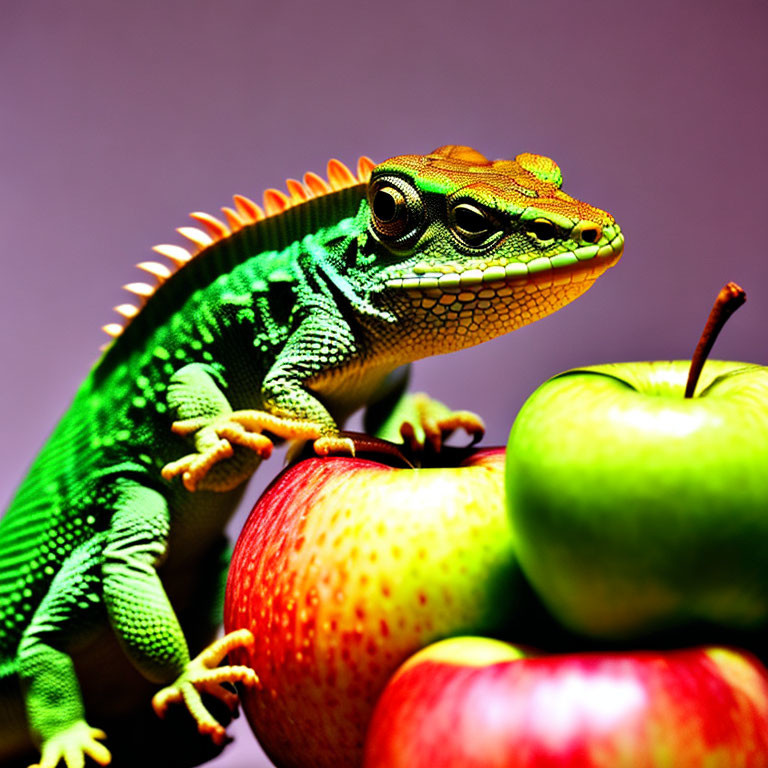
(583,263)
(459,309)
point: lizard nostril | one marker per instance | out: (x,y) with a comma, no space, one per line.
(589,233)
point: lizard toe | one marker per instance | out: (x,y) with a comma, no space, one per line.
(72,746)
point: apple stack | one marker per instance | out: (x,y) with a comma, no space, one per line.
(636,516)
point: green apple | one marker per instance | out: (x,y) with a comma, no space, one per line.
(471,702)
(344,569)
(637,509)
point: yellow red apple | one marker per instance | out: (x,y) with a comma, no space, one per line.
(344,569)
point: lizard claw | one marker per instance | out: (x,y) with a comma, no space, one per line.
(203,674)
(195,466)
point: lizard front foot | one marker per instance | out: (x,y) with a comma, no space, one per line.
(72,745)
(428,420)
(215,442)
(203,674)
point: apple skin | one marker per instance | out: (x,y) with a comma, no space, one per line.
(637,510)
(345,568)
(471,702)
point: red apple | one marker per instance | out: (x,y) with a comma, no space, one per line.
(344,569)
(476,703)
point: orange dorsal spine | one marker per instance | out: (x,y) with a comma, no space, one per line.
(245,212)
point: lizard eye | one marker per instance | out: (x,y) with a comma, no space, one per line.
(387,203)
(394,213)
(542,229)
(471,224)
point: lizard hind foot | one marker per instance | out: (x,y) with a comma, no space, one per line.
(72,746)
(202,674)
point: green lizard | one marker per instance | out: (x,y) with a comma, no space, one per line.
(280,323)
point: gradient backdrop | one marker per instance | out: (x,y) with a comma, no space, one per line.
(117,119)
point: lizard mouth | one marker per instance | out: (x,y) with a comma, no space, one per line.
(581,264)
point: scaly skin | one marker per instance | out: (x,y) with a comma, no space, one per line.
(281,324)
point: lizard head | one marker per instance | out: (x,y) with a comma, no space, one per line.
(469,249)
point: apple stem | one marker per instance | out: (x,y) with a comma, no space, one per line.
(730,298)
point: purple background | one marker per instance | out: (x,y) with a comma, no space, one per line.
(118,119)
